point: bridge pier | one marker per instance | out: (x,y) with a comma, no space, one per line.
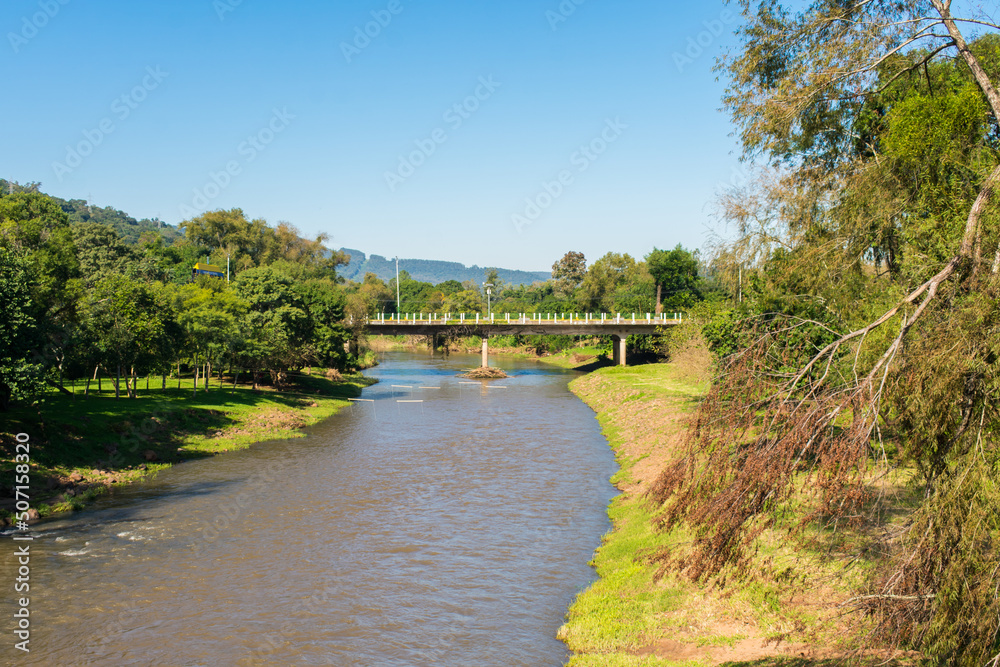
(486,353)
(618,349)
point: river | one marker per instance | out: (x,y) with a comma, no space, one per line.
(452,531)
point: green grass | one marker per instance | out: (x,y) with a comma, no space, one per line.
(564,359)
(125,439)
(625,608)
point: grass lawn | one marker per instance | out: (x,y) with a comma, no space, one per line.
(82,446)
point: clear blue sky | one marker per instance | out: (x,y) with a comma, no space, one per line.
(184,85)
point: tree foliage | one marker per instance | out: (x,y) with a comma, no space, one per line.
(867,341)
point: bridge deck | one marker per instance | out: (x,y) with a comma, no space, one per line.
(610,325)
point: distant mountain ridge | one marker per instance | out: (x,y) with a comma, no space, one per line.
(429,270)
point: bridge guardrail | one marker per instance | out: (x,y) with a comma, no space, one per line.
(525,318)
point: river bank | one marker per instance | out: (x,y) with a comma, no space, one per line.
(631,617)
(83,447)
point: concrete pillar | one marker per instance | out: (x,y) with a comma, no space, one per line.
(618,347)
(486,353)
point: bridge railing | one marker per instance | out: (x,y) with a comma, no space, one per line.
(526,318)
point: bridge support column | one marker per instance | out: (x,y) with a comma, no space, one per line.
(486,353)
(618,347)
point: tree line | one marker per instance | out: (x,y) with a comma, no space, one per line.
(77,300)
(80,301)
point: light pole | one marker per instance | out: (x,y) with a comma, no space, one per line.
(489,293)
(397,287)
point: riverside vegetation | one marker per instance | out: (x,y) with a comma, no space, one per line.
(640,613)
(85,446)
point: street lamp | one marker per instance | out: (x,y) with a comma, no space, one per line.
(489,292)
(397,287)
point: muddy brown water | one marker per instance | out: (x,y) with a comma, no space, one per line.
(455,531)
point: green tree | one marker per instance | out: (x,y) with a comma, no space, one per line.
(616,282)
(19,373)
(569,272)
(129,325)
(676,275)
(276,325)
(100,251)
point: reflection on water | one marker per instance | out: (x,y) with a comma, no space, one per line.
(451,529)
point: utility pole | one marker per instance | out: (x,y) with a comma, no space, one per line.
(489,293)
(227,268)
(397,286)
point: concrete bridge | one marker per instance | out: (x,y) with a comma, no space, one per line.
(617,325)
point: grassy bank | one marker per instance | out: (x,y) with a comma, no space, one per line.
(84,446)
(629,617)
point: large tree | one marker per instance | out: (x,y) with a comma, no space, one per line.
(676,275)
(569,272)
(874,239)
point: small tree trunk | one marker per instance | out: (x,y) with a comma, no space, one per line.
(236,379)
(659,302)
(86,389)
(196,369)
(118,379)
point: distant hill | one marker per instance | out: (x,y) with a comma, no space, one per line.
(424,270)
(128,228)
(429,270)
